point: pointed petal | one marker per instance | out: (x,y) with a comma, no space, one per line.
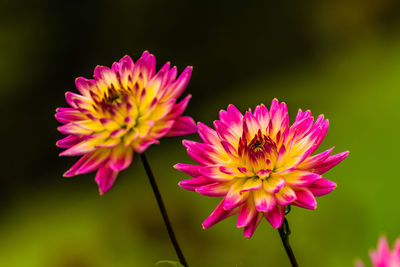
(214,173)
(226,132)
(84,86)
(275,217)
(177,87)
(234,197)
(230,150)
(331,162)
(179,108)
(252,226)
(121,157)
(192,184)
(182,126)
(251,184)
(262,116)
(247,212)
(264,201)
(207,134)
(214,189)
(305,199)
(71,172)
(285,196)
(94,161)
(321,187)
(192,170)
(81,148)
(250,125)
(218,215)
(299,178)
(274,183)
(382,254)
(233,118)
(105,178)
(69,141)
(141,147)
(315,160)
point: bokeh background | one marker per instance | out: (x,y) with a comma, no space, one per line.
(336,57)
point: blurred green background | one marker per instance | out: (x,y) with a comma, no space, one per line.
(340,58)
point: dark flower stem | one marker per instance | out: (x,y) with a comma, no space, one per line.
(284,232)
(163,210)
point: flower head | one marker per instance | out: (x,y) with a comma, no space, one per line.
(123,110)
(260,164)
(383,257)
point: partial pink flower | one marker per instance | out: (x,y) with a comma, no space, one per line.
(383,257)
(123,110)
(259,164)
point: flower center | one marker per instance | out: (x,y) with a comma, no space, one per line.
(259,153)
(111,98)
(256,145)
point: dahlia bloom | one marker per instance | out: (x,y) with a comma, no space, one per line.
(124,109)
(383,257)
(259,164)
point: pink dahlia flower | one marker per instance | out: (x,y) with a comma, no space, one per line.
(259,164)
(123,110)
(383,257)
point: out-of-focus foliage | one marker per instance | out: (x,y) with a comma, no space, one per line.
(339,58)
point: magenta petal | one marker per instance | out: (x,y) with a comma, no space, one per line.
(299,178)
(192,184)
(250,125)
(72,171)
(69,141)
(285,196)
(121,158)
(177,88)
(252,226)
(225,133)
(303,124)
(179,108)
(67,115)
(262,116)
(102,73)
(247,212)
(305,199)
(144,145)
(396,249)
(321,187)
(182,126)
(207,134)
(331,162)
(230,150)
(214,173)
(203,154)
(382,255)
(233,118)
(126,63)
(234,197)
(218,215)
(105,178)
(213,190)
(84,85)
(78,149)
(275,217)
(72,99)
(93,162)
(192,170)
(264,201)
(312,162)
